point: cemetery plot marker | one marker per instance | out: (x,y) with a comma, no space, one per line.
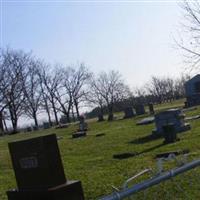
(192,90)
(171,116)
(128,112)
(83,127)
(39,171)
(151,109)
(139,109)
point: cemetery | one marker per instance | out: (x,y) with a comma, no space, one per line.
(99,100)
(106,157)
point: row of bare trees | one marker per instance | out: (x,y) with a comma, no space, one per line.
(29,87)
(162,89)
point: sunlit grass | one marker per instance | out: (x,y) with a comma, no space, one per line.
(90,159)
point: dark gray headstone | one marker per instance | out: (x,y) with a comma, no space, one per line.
(28,129)
(128,112)
(79,134)
(110,117)
(139,109)
(46,125)
(37,163)
(192,91)
(100,118)
(171,116)
(169,133)
(151,108)
(39,172)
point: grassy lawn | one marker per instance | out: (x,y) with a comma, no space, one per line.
(90,159)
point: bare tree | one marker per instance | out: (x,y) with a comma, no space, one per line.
(189,39)
(112,89)
(49,83)
(32,91)
(3,87)
(180,86)
(79,77)
(63,94)
(14,63)
(94,97)
(45,103)
(156,88)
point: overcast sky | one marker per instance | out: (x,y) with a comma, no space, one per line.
(135,38)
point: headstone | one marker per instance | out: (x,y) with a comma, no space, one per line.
(35,128)
(171,116)
(151,109)
(83,127)
(79,134)
(60,126)
(192,91)
(110,117)
(71,190)
(140,109)
(100,118)
(46,125)
(63,119)
(39,171)
(128,112)
(28,129)
(147,120)
(169,133)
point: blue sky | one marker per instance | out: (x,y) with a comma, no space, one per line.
(131,37)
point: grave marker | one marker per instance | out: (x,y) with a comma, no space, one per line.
(128,112)
(139,108)
(39,171)
(151,109)
(83,127)
(171,116)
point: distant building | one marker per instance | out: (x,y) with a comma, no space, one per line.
(192,91)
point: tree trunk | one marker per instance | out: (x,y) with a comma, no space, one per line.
(100,117)
(49,117)
(73,116)
(68,117)
(48,112)
(55,113)
(13,120)
(110,112)
(1,124)
(14,123)
(77,110)
(35,119)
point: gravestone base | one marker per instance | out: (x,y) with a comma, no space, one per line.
(79,134)
(183,128)
(169,133)
(72,190)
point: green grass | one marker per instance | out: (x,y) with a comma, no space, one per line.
(90,159)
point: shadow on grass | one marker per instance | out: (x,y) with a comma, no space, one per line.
(124,155)
(147,138)
(133,154)
(151,149)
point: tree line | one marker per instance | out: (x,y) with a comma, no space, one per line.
(29,86)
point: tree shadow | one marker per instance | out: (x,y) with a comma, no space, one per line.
(145,139)
(126,155)
(151,149)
